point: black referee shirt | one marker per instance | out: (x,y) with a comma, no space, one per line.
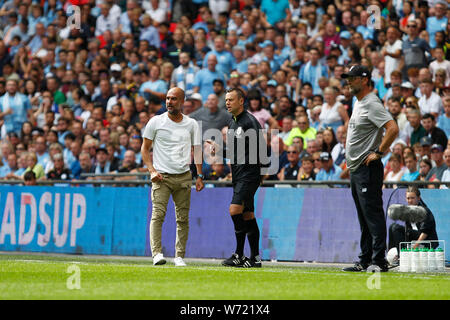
(244,129)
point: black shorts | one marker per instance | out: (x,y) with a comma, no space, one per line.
(244,194)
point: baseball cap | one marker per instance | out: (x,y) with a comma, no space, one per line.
(116,67)
(407,85)
(345,35)
(357,71)
(196,96)
(266,43)
(272,83)
(437,146)
(325,156)
(426,141)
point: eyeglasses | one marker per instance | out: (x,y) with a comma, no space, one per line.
(289,152)
(412,26)
(136,137)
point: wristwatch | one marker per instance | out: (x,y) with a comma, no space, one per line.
(200,176)
(378,152)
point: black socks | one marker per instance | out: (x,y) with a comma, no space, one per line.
(253,237)
(246,227)
(240,230)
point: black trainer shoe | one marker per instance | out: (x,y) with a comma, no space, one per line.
(234,261)
(381,267)
(358,267)
(251,262)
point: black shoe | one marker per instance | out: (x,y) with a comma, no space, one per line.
(381,267)
(357,267)
(234,261)
(251,263)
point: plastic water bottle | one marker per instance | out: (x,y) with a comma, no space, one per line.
(404,263)
(424,260)
(440,261)
(432,260)
(408,259)
(415,260)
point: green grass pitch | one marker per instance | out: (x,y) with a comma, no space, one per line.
(55,277)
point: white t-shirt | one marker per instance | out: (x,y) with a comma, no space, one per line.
(391,63)
(172,142)
(432,104)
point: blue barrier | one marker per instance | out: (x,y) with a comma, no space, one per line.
(297,224)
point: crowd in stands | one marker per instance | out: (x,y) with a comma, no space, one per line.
(80,79)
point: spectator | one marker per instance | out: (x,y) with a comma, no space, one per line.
(129,162)
(446,175)
(263,116)
(429,102)
(203,81)
(444,119)
(183,75)
(436,134)
(86,165)
(438,22)
(59,171)
(329,171)
(107,20)
(338,151)
(32,165)
(396,171)
(437,171)
(154,86)
(29,178)
(333,113)
(226,61)
(412,174)
(278,156)
(8,170)
(103,165)
(392,52)
(14,108)
(40,147)
(329,140)
(211,117)
(303,130)
(418,131)
(274,11)
(286,128)
(425,166)
(440,63)
(415,49)
(290,171)
(313,70)
(306,172)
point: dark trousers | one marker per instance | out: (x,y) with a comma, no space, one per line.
(366,184)
(399,233)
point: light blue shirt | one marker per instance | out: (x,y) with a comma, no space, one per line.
(158,86)
(150,34)
(309,73)
(410,176)
(20,105)
(434,25)
(225,61)
(274,11)
(332,175)
(204,80)
(444,123)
